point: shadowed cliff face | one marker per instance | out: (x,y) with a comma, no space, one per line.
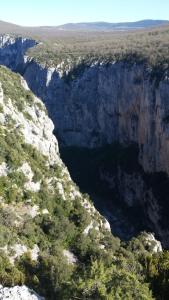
(107,103)
(99,104)
(132,200)
(12,52)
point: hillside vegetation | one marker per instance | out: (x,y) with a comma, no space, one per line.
(151,47)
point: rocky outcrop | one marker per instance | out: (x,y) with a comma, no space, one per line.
(3,169)
(153,243)
(17,250)
(18,293)
(37,128)
(12,51)
(71,258)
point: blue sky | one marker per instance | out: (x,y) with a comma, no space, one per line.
(55,12)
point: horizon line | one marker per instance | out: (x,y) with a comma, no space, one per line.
(83,22)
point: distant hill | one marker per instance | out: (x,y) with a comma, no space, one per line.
(104,26)
(6,27)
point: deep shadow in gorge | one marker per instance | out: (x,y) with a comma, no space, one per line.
(120,189)
(93,170)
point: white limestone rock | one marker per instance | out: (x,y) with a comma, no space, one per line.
(106,225)
(74,193)
(45,211)
(61,190)
(18,293)
(1,94)
(152,242)
(38,131)
(33,211)
(32,186)
(87,229)
(3,169)
(49,75)
(26,170)
(24,84)
(17,250)
(35,252)
(29,185)
(71,258)
(13,49)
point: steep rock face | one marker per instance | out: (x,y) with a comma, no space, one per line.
(37,128)
(149,208)
(12,51)
(99,103)
(108,103)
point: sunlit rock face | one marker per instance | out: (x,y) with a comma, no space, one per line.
(18,293)
(38,130)
(12,51)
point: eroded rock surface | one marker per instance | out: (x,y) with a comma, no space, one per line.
(18,293)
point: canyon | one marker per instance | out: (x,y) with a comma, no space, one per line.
(96,105)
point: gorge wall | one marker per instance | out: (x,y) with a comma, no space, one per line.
(98,104)
(110,103)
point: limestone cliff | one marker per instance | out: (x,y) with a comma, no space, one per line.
(97,103)
(93,105)
(110,103)
(12,51)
